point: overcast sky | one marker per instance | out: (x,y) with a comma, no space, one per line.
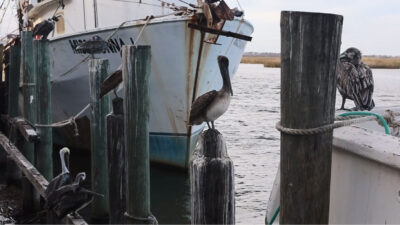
(373,26)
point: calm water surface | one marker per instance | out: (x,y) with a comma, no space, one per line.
(253,144)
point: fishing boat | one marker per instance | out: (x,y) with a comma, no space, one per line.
(365,178)
(185,42)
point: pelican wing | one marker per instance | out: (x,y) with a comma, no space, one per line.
(363,87)
(200,106)
(345,75)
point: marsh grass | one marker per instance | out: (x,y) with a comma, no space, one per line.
(373,62)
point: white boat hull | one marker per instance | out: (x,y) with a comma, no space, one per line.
(174,60)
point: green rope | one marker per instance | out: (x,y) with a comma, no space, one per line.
(385,125)
(275,215)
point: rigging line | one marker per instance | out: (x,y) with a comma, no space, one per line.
(144,3)
(239,5)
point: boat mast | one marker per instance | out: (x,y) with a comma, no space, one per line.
(96,18)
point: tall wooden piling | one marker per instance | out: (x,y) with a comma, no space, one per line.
(98,71)
(116,162)
(31,197)
(136,73)
(212,181)
(44,148)
(13,173)
(310,44)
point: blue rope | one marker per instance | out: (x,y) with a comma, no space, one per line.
(385,125)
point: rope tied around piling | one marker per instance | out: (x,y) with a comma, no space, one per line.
(152,219)
(346,119)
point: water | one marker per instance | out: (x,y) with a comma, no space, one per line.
(253,144)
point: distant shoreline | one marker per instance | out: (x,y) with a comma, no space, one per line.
(373,62)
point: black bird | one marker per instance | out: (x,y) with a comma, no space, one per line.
(354,80)
(211,105)
(62,179)
(44,28)
(73,197)
(93,46)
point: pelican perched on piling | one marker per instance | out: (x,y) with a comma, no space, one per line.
(73,197)
(211,105)
(44,28)
(61,179)
(93,46)
(354,80)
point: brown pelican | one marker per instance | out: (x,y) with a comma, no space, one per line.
(44,28)
(354,80)
(211,105)
(73,197)
(93,46)
(62,179)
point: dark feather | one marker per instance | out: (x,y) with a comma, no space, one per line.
(43,28)
(71,201)
(56,183)
(199,106)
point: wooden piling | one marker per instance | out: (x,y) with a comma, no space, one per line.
(310,44)
(13,173)
(116,162)
(136,73)
(44,148)
(31,198)
(98,71)
(212,181)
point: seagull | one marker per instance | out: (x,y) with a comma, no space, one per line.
(354,80)
(211,105)
(62,179)
(93,46)
(73,197)
(44,28)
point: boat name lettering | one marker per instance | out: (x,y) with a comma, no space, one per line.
(114,45)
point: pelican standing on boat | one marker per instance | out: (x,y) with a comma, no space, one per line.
(354,80)
(211,105)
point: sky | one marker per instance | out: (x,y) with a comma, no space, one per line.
(373,26)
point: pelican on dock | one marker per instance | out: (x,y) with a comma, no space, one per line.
(354,80)
(44,28)
(61,179)
(73,197)
(211,105)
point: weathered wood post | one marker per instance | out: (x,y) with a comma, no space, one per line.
(98,71)
(31,197)
(136,73)
(310,44)
(13,173)
(3,155)
(116,162)
(212,181)
(44,148)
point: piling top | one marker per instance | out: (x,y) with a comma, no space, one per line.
(212,144)
(118,106)
(298,13)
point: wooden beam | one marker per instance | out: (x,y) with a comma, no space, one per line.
(220,32)
(31,173)
(26,129)
(310,44)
